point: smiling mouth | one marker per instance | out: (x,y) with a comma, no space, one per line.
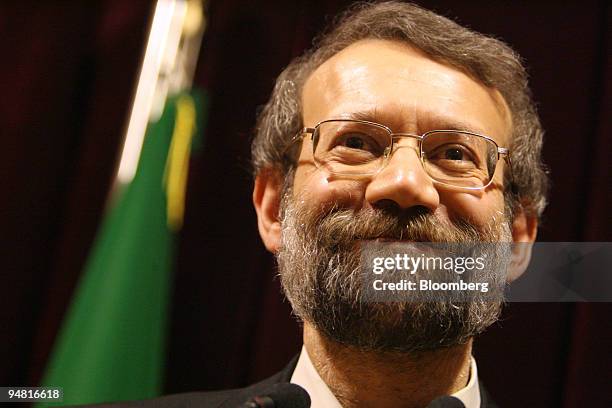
(388,239)
(384,239)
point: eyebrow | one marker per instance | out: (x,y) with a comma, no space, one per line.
(367,115)
(442,123)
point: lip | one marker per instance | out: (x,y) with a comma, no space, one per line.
(390,240)
(405,246)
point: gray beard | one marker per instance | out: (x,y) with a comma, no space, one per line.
(320,271)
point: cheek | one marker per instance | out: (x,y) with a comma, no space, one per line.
(316,187)
(477,209)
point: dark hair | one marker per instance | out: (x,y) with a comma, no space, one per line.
(486,59)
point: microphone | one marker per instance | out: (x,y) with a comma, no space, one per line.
(446,402)
(282,395)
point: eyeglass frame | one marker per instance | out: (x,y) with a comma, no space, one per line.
(502,152)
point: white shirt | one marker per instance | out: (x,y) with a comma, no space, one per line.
(307,377)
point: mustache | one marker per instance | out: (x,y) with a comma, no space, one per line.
(341,227)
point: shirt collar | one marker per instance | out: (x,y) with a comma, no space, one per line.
(307,377)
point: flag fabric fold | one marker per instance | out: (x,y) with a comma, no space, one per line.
(112,343)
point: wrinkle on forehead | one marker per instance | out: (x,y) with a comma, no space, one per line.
(395,78)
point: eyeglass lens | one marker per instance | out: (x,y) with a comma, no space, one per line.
(451,157)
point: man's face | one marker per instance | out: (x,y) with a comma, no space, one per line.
(408,92)
(325,216)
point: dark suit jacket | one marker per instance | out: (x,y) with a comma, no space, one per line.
(234,398)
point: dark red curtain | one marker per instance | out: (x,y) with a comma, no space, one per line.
(68,71)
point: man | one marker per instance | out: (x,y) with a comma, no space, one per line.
(398,126)
(413,72)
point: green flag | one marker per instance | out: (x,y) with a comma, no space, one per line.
(111,345)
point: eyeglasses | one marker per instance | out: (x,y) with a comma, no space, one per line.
(455,158)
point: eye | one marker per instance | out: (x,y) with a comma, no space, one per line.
(354,141)
(453,153)
(358,141)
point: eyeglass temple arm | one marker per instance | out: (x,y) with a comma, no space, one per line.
(306,130)
(506,153)
(299,135)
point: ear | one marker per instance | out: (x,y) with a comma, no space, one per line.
(524,231)
(266,199)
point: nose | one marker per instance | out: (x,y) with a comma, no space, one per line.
(403,181)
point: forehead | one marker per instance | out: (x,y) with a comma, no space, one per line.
(399,86)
